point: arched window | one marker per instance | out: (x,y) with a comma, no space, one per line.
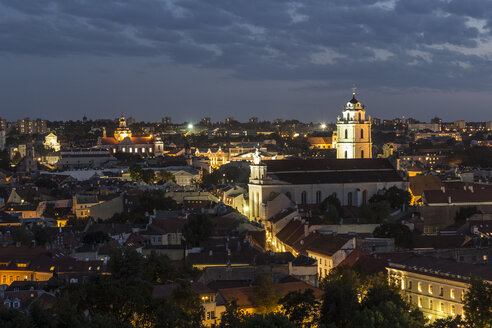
(361,154)
(359,116)
(349,199)
(303,197)
(346,155)
(362,133)
(346,133)
(364,197)
(318,197)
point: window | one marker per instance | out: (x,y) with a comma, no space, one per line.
(419,286)
(16,304)
(361,154)
(430,289)
(409,284)
(303,197)
(431,304)
(420,302)
(364,197)
(441,293)
(346,133)
(346,155)
(318,197)
(451,293)
(441,307)
(349,197)
(453,310)
(362,133)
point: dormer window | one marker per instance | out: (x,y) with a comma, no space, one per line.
(16,304)
(6,303)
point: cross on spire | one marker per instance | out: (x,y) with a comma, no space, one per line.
(353,89)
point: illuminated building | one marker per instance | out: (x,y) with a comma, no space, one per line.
(51,141)
(354,131)
(436,286)
(124,142)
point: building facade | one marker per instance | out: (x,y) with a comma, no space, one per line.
(307,182)
(354,131)
(123,141)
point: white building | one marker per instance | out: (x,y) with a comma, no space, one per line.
(307,182)
(51,142)
(354,131)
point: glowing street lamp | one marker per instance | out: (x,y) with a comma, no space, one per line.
(323,126)
(190,126)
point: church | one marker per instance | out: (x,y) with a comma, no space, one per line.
(124,142)
(354,131)
(354,176)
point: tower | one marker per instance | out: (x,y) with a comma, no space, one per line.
(122,131)
(354,131)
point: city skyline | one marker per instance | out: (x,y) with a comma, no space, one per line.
(267,59)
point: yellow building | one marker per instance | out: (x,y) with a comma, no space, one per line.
(436,286)
(320,142)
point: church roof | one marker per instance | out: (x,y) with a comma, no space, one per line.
(353,100)
(328,164)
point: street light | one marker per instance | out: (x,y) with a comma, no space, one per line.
(323,126)
(190,126)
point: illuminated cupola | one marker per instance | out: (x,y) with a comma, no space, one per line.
(122,131)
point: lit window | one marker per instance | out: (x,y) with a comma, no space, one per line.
(441,307)
(420,302)
(451,293)
(419,286)
(453,310)
(430,289)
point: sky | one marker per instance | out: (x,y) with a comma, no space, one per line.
(65,59)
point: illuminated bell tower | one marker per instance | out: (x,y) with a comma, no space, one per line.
(354,131)
(122,131)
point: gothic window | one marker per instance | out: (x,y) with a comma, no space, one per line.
(346,133)
(349,202)
(359,116)
(362,133)
(318,197)
(304,197)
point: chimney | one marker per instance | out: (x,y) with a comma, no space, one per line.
(449,200)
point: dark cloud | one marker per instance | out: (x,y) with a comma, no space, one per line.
(400,44)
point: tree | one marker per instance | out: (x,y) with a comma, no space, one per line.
(386,315)
(375,212)
(397,197)
(232,316)
(266,297)
(198,228)
(329,201)
(165,175)
(449,322)
(21,235)
(400,232)
(41,235)
(332,216)
(269,320)
(148,176)
(189,303)
(136,172)
(301,308)
(339,304)
(126,263)
(478,303)
(158,269)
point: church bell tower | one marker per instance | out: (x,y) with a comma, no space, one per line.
(354,131)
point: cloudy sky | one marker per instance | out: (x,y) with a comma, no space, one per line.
(63,59)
